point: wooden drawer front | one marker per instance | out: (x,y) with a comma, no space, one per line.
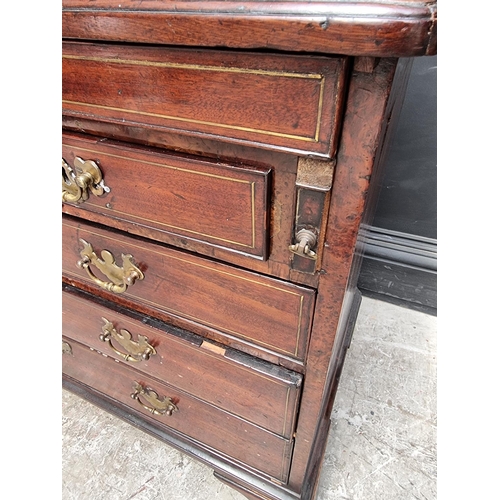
(262,311)
(259,392)
(243,442)
(279,102)
(158,195)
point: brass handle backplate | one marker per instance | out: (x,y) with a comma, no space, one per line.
(121,277)
(156,405)
(135,351)
(81,180)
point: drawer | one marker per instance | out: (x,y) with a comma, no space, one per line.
(236,439)
(249,388)
(162,195)
(282,102)
(221,301)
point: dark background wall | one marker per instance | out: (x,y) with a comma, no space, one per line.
(400,263)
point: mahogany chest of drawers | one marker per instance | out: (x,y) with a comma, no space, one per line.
(219,159)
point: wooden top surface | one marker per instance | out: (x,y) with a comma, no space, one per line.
(381,28)
(290,6)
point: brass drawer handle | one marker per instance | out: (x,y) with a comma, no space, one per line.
(163,406)
(135,351)
(66,348)
(78,181)
(121,277)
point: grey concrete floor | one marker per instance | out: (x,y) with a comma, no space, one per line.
(382,443)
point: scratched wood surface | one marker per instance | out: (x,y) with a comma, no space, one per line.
(121,89)
(232,96)
(382,443)
(163,196)
(256,391)
(372,28)
(239,308)
(241,441)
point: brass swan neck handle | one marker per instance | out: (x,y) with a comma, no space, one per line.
(135,351)
(156,405)
(120,277)
(79,181)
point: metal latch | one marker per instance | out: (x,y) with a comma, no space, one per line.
(306,240)
(313,186)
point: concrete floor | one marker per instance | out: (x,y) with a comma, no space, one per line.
(382,443)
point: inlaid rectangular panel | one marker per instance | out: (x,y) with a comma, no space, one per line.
(285,102)
(239,304)
(160,195)
(259,392)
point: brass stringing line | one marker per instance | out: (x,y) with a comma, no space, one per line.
(158,164)
(222,359)
(286,410)
(202,322)
(174,227)
(192,263)
(184,170)
(253,215)
(310,76)
(138,62)
(269,378)
(320,108)
(300,325)
(210,269)
(283,461)
(198,122)
(217,327)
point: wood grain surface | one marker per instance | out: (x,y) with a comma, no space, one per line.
(362,136)
(282,191)
(236,304)
(241,92)
(240,441)
(379,28)
(246,387)
(157,195)
(275,101)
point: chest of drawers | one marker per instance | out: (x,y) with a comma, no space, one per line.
(219,159)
